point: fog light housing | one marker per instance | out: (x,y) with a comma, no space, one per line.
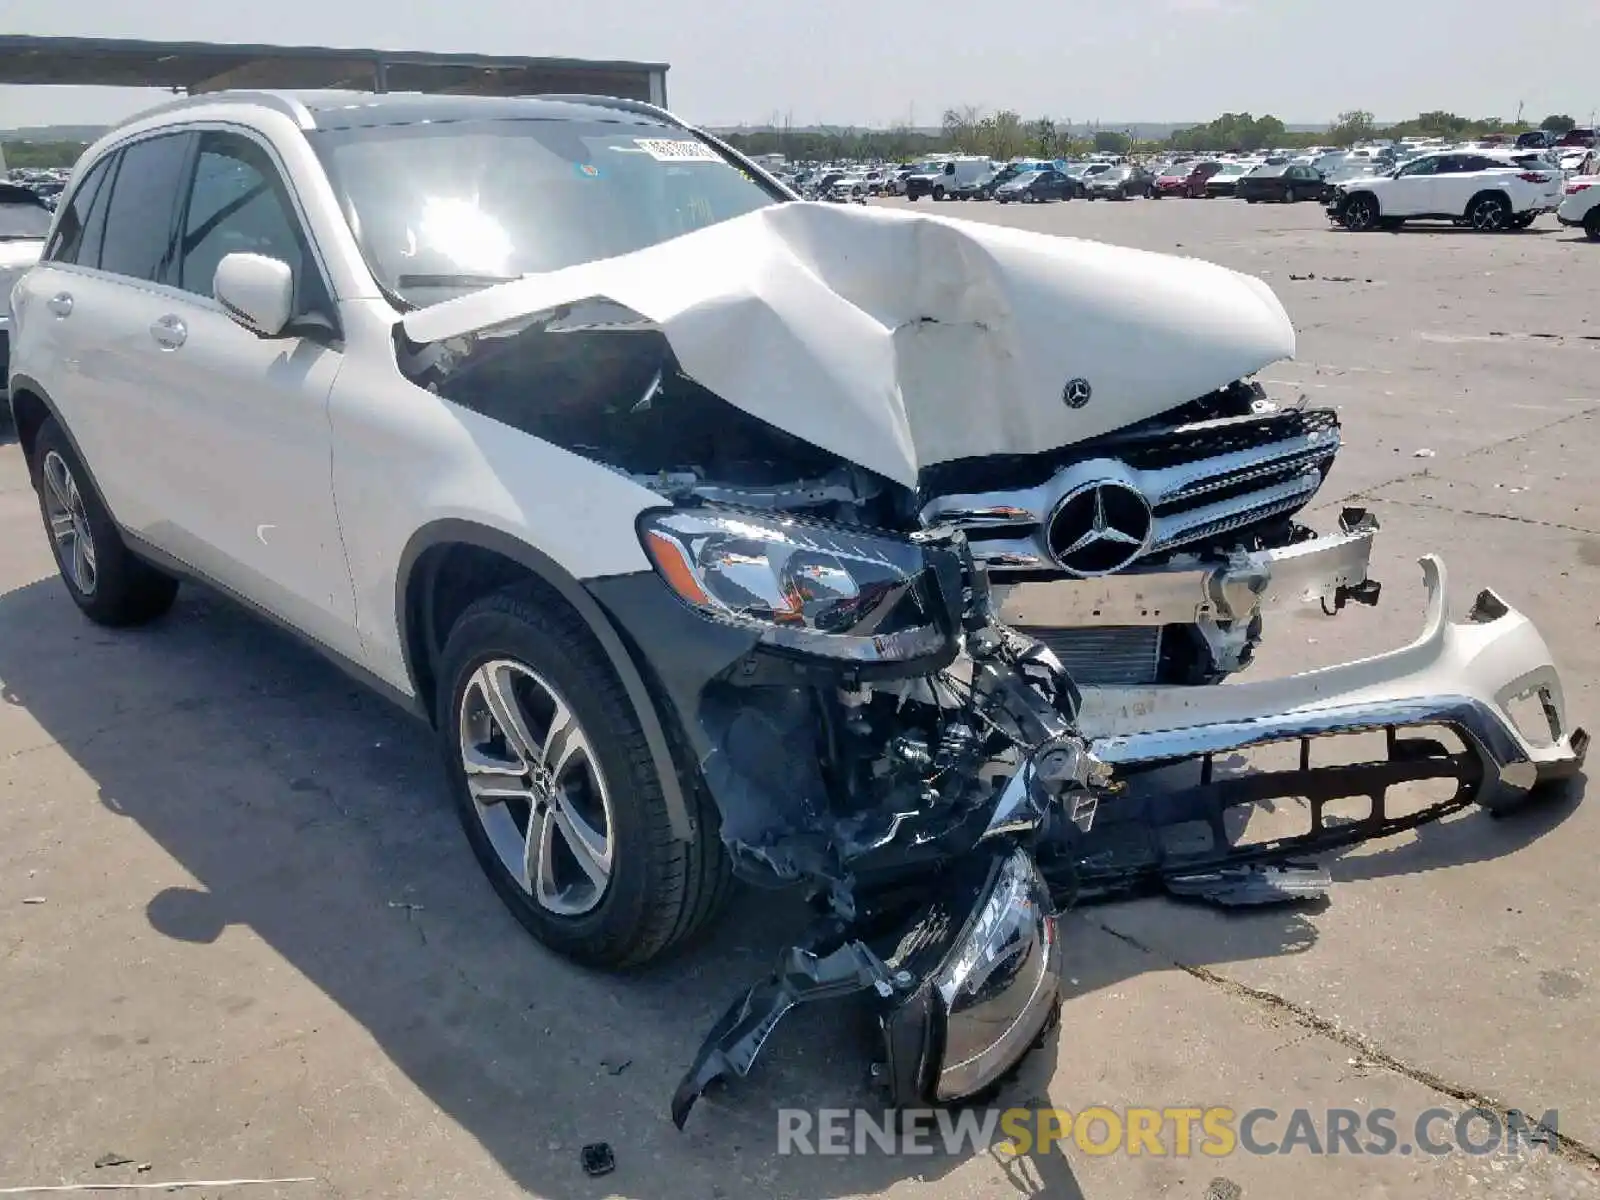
(986,954)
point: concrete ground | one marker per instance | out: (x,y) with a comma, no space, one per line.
(241,935)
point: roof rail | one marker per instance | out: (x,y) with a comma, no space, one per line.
(279,101)
(617,102)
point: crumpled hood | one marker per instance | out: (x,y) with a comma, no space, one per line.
(898,340)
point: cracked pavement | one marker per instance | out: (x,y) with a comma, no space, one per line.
(264,949)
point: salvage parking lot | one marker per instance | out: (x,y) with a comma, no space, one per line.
(242,936)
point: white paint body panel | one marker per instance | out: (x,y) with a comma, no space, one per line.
(899,340)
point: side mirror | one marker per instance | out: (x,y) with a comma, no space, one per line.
(256,291)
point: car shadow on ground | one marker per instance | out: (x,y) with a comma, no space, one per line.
(313,814)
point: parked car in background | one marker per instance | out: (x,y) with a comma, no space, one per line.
(1174,180)
(954,178)
(1200,173)
(1580,206)
(1120,183)
(1486,191)
(1036,186)
(1283,183)
(1224,181)
(849,189)
(24,223)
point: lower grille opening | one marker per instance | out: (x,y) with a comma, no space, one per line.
(1106,655)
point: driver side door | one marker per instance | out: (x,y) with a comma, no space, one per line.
(236,425)
(1415,190)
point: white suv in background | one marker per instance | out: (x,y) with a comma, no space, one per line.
(1486,191)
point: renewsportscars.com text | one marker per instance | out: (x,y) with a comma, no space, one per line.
(1181,1132)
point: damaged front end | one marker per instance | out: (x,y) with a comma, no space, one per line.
(821,507)
(877,738)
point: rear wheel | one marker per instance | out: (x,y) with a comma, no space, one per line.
(1489,214)
(1289,196)
(1591,224)
(105,579)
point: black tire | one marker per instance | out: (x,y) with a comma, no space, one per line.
(1489,213)
(1360,213)
(660,890)
(1289,196)
(1523,220)
(118,588)
(1591,224)
(938,192)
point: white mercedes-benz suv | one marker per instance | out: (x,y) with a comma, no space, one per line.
(671,503)
(1490,191)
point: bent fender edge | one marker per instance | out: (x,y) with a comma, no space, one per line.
(548,571)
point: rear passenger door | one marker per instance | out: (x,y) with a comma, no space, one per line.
(103,305)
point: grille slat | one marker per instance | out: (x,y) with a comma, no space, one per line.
(1106,655)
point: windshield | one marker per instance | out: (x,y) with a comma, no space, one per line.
(439,209)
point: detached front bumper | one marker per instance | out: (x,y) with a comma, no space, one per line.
(1489,678)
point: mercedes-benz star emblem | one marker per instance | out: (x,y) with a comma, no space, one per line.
(1077,393)
(1100,528)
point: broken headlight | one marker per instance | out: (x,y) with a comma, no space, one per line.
(990,985)
(803,586)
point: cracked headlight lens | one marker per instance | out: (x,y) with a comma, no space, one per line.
(804,586)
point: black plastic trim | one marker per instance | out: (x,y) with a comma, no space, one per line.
(410,705)
(455,531)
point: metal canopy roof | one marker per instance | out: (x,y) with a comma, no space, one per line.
(208,67)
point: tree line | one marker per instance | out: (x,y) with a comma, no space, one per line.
(1007,134)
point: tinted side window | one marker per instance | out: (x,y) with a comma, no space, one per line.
(237,204)
(84,219)
(139,239)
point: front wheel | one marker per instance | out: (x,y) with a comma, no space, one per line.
(938,192)
(1289,196)
(558,792)
(106,580)
(1361,214)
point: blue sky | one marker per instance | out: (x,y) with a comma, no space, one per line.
(881,61)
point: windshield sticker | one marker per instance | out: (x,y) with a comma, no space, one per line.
(677,150)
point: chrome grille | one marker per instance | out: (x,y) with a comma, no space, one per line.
(1106,655)
(1202,481)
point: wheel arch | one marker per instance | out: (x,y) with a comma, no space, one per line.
(31,407)
(429,596)
(1497,193)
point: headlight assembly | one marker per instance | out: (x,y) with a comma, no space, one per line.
(801,586)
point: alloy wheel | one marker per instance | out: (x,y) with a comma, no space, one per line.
(69,524)
(1489,214)
(537,787)
(1360,214)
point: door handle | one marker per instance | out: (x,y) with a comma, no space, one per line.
(60,304)
(169,332)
